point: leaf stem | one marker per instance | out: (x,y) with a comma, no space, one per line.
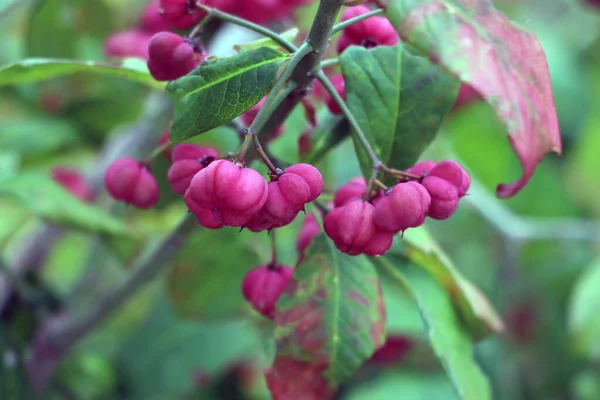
(157,151)
(341,26)
(214,13)
(273,247)
(330,62)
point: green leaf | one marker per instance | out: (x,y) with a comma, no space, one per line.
(161,357)
(475,309)
(329,320)
(41,69)
(49,201)
(399,101)
(328,134)
(217,92)
(37,135)
(206,278)
(290,35)
(505,64)
(412,385)
(584,324)
(448,337)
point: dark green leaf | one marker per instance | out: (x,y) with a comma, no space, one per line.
(206,278)
(37,135)
(399,101)
(329,320)
(505,64)
(217,92)
(584,324)
(448,337)
(325,137)
(49,201)
(41,69)
(475,309)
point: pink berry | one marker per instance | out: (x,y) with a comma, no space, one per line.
(379,244)
(309,230)
(444,197)
(262,287)
(351,226)
(151,20)
(204,216)
(248,117)
(422,168)
(354,189)
(188,160)
(73,182)
(181,14)
(130,43)
(466,96)
(310,175)
(404,206)
(170,56)
(393,351)
(466,183)
(453,173)
(130,181)
(371,32)
(234,193)
(340,88)
(284,203)
(259,222)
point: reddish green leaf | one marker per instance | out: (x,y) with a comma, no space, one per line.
(503,63)
(330,319)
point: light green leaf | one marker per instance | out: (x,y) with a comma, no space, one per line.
(37,135)
(41,69)
(448,337)
(221,90)
(49,201)
(412,385)
(475,309)
(399,101)
(289,35)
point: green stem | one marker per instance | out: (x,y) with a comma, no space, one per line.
(214,13)
(377,164)
(330,62)
(351,21)
(157,151)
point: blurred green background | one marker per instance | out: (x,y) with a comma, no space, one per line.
(535,255)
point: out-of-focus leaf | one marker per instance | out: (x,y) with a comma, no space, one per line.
(161,359)
(505,64)
(205,280)
(217,92)
(475,309)
(399,101)
(328,134)
(448,337)
(329,320)
(9,163)
(411,385)
(37,135)
(289,35)
(584,324)
(41,69)
(49,201)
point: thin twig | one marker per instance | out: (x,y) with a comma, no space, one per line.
(342,25)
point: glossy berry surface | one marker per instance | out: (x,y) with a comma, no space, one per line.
(188,160)
(73,182)
(181,14)
(130,181)
(404,206)
(170,56)
(263,286)
(371,32)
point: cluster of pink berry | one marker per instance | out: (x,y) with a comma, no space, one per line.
(367,226)
(262,287)
(227,194)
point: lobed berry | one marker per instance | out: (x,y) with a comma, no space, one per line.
(354,189)
(170,56)
(130,181)
(446,183)
(129,43)
(181,14)
(422,168)
(73,182)
(371,32)
(404,206)
(234,194)
(151,18)
(188,160)
(351,226)
(204,216)
(262,287)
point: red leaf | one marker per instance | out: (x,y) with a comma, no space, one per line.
(506,65)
